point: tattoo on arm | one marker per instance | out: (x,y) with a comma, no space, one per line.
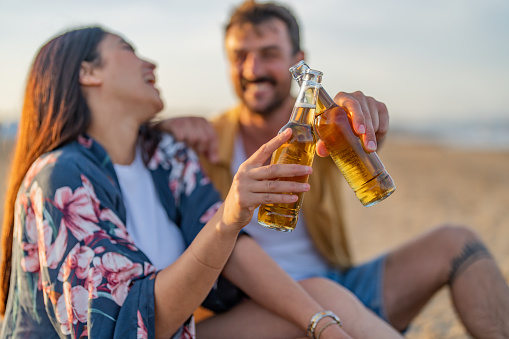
(472,252)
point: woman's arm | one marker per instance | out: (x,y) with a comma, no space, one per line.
(181,287)
(267,284)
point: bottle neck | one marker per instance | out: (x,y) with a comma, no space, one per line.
(324,101)
(306,104)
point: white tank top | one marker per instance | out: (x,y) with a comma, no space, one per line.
(148,223)
(293,251)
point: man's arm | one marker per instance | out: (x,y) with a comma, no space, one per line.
(197,132)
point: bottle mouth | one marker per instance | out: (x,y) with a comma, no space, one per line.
(298,70)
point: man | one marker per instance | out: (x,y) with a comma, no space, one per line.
(262,43)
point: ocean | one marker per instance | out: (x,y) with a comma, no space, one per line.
(472,135)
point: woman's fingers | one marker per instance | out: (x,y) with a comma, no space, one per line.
(275,198)
(278,186)
(264,152)
(279,171)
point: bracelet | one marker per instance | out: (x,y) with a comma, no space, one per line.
(316,318)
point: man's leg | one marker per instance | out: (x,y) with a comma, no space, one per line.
(249,320)
(454,256)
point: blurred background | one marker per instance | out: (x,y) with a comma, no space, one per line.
(441,66)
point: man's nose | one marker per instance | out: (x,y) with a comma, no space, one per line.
(253,67)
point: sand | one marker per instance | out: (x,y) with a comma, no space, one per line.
(435,185)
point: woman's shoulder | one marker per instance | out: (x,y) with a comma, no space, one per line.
(65,166)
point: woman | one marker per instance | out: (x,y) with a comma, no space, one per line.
(78,269)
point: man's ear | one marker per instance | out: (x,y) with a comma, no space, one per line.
(88,75)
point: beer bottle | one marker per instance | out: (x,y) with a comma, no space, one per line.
(363,170)
(299,149)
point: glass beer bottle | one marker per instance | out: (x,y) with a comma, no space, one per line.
(363,170)
(299,149)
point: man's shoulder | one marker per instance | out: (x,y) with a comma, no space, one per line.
(226,118)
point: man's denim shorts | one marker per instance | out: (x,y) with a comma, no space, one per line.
(366,282)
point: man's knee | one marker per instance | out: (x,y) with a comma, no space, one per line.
(462,247)
(453,238)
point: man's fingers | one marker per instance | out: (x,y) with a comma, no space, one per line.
(213,149)
(363,111)
(356,114)
(383,116)
(321,150)
(373,112)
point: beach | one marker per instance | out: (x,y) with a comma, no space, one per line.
(435,185)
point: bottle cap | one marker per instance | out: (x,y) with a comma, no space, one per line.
(298,70)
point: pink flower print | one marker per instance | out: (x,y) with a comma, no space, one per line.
(190,171)
(78,211)
(165,151)
(30,262)
(118,271)
(189,331)
(36,167)
(18,228)
(84,141)
(52,295)
(94,279)
(83,259)
(89,188)
(142,329)
(156,159)
(175,188)
(121,231)
(36,200)
(91,239)
(78,260)
(50,254)
(209,213)
(205,181)
(99,249)
(148,268)
(72,306)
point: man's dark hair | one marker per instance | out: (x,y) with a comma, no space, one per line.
(256,13)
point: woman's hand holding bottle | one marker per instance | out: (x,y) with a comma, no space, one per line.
(256,184)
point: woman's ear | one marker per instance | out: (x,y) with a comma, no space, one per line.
(88,76)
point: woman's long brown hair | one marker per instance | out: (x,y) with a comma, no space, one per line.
(54,113)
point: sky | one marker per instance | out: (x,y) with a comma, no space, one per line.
(438,61)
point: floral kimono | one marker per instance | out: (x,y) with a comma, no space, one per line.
(75,270)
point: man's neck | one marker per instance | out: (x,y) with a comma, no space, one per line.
(257,129)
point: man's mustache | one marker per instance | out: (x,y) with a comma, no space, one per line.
(270,80)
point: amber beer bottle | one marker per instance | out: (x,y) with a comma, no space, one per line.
(299,149)
(363,170)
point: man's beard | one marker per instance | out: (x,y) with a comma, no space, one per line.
(267,110)
(272,106)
